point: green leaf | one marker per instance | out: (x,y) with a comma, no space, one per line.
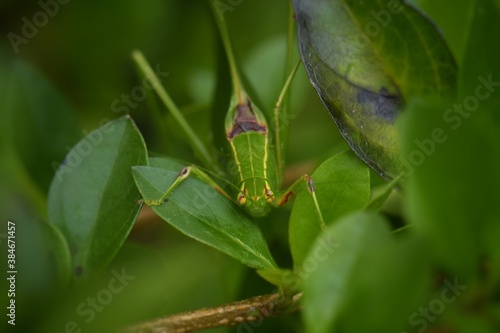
(480,65)
(352,52)
(333,262)
(166,163)
(342,185)
(42,262)
(39,123)
(158,280)
(455,27)
(387,289)
(283,278)
(480,75)
(93,199)
(452,154)
(379,198)
(43,258)
(443,201)
(200,212)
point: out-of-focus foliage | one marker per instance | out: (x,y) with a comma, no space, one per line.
(65,69)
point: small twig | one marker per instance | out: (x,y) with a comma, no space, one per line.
(254,309)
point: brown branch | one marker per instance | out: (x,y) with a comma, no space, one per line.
(252,310)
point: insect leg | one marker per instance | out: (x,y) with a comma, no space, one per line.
(281,120)
(183,175)
(289,193)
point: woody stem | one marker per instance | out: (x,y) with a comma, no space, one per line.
(252,310)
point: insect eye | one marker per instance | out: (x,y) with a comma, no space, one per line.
(269,195)
(242,199)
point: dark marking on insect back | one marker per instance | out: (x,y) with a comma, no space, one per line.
(245,121)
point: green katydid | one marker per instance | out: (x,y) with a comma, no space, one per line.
(256,157)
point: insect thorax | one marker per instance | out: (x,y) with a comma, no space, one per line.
(254,170)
